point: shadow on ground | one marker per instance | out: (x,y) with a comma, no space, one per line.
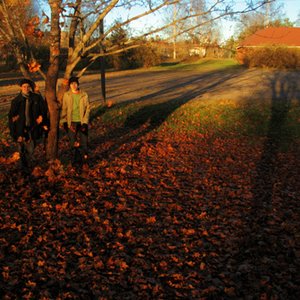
(266,255)
(164,102)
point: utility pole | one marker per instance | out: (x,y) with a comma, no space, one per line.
(174,30)
(102,64)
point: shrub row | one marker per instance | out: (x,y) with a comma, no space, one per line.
(278,57)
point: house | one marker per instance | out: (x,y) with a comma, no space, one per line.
(197,51)
(287,37)
(273,36)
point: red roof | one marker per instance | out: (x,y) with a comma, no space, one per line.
(288,36)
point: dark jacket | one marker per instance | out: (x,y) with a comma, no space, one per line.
(37,107)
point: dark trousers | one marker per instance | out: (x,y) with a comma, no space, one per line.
(26,149)
(78,137)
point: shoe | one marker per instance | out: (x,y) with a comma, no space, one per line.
(85,160)
(77,159)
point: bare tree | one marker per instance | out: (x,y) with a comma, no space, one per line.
(51,79)
(82,19)
(15,28)
(83,39)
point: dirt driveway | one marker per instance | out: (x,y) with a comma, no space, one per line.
(236,83)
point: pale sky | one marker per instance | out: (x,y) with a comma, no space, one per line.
(290,7)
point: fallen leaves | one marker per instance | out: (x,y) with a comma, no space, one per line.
(151,220)
(34,66)
(109,103)
(160,217)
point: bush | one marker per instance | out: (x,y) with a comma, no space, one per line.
(270,57)
(143,56)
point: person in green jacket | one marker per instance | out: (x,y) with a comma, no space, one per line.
(75,115)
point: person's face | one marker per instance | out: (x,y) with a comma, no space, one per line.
(74,86)
(25,88)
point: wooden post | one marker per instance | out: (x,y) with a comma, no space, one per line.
(102,65)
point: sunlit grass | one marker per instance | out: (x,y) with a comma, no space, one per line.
(214,118)
(253,121)
(202,65)
(219,117)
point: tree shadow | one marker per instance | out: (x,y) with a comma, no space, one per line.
(161,105)
(164,85)
(265,240)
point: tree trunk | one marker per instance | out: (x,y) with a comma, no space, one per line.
(21,64)
(64,85)
(50,93)
(23,70)
(51,81)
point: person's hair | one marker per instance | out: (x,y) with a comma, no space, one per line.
(73,79)
(28,81)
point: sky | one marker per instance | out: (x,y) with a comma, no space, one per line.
(291,8)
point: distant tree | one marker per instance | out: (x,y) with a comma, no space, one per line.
(119,36)
(229,47)
(189,28)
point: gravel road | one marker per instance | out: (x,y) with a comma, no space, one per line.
(167,85)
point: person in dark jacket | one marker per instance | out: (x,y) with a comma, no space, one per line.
(28,120)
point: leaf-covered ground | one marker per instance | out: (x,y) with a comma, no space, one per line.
(183,198)
(154,216)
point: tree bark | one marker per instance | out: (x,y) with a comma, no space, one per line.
(51,81)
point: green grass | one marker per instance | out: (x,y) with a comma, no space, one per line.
(213,117)
(202,65)
(217,117)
